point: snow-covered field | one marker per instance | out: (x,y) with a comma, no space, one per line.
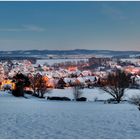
(53,61)
(133,60)
(40,118)
(90,94)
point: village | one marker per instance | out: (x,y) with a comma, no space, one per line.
(65,74)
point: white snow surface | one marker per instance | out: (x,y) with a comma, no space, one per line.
(35,118)
(53,61)
(90,94)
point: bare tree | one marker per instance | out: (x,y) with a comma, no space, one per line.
(116,84)
(33,80)
(39,85)
(135,100)
(77,90)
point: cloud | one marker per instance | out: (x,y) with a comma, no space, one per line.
(33,28)
(24,28)
(114,13)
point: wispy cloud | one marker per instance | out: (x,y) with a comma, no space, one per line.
(114,13)
(24,28)
(34,28)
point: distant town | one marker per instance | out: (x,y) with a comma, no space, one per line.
(61,73)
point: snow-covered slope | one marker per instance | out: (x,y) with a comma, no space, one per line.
(39,118)
(53,61)
(90,94)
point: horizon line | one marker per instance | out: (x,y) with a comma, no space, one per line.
(70,50)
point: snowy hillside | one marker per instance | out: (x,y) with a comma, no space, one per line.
(90,94)
(53,61)
(39,118)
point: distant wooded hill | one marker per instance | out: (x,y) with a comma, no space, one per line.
(43,53)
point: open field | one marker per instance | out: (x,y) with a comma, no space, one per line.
(40,118)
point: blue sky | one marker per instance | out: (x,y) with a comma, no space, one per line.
(69,25)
